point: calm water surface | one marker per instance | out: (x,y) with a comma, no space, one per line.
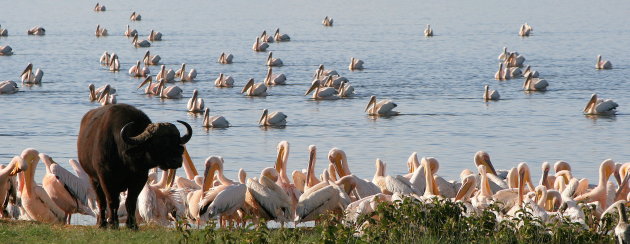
(436,82)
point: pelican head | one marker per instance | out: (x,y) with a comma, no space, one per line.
(281,158)
(263,118)
(313,87)
(18,165)
(270,173)
(248,85)
(561,165)
(106,91)
(468,185)
(371,103)
(269,56)
(338,158)
(591,103)
(212,166)
(483,158)
(148,80)
(28,69)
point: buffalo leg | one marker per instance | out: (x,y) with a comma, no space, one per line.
(113,200)
(102,205)
(130,204)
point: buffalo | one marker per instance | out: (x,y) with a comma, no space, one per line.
(117,146)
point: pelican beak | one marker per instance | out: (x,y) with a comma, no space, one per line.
(147,80)
(29,68)
(311,166)
(521,186)
(105,92)
(146,56)
(464,189)
(372,102)
(486,161)
(206,116)
(336,161)
(279,162)
(590,103)
(170,177)
(313,87)
(264,115)
(250,83)
(19,166)
(208,176)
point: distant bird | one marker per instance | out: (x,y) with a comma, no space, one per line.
(224,81)
(105,58)
(382,108)
(266,38)
(504,55)
(137,71)
(602,64)
(168,76)
(195,103)
(321,72)
(171,92)
(114,63)
(273,119)
(8,87)
(251,89)
(183,76)
(528,70)
(152,88)
(226,58)
(99,7)
(280,37)
(260,46)
(274,80)
(535,84)
(515,60)
(130,32)
(143,43)
(151,60)
(428,31)
(271,61)
(327,21)
(155,36)
(525,30)
(135,17)
(3,32)
(501,74)
(214,121)
(355,64)
(597,106)
(322,93)
(346,90)
(6,50)
(29,78)
(100,31)
(96,94)
(36,30)
(106,96)
(490,94)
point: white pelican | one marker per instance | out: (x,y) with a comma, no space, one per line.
(529,70)
(6,173)
(496,182)
(355,64)
(490,94)
(382,108)
(157,202)
(599,193)
(322,93)
(29,78)
(99,7)
(181,73)
(151,60)
(251,89)
(194,198)
(597,106)
(169,75)
(105,58)
(337,158)
(322,198)
(259,46)
(280,37)
(100,31)
(346,90)
(195,103)
(224,203)
(152,88)
(137,71)
(273,119)
(106,96)
(514,60)
(216,121)
(283,180)
(513,72)
(35,200)
(224,81)
(535,84)
(602,64)
(525,30)
(622,232)
(501,73)
(6,50)
(114,63)
(3,32)
(321,72)
(135,17)
(273,79)
(266,38)
(504,55)
(226,58)
(130,32)
(155,36)
(273,61)
(428,31)
(171,92)
(390,185)
(265,199)
(8,87)
(97,94)
(143,43)
(36,30)
(327,21)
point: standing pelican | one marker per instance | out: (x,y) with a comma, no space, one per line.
(273,79)
(15,166)
(535,84)
(135,17)
(29,78)
(152,88)
(346,90)
(226,58)
(597,106)
(266,38)
(283,180)
(217,121)
(259,46)
(143,43)
(6,50)
(490,94)
(36,30)
(151,60)
(382,108)
(327,21)
(168,76)
(599,193)
(280,37)
(428,31)
(35,200)
(265,199)
(322,198)
(273,61)
(355,64)
(273,119)
(195,103)
(100,31)
(3,32)
(156,202)
(181,73)
(99,7)
(602,64)
(171,92)
(130,32)
(251,89)
(137,71)
(364,188)
(322,93)
(114,63)
(224,81)
(8,87)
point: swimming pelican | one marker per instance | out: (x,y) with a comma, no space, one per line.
(514,60)
(382,108)
(195,103)
(169,75)
(524,30)
(490,94)
(501,73)
(35,200)
(143,43)
(106,96)
(273,61)
(36,30)
(602,64)
(260,46)
(114,63)
(8,87)
(216,121)
(29,78)
(100,31)
(597,106)
(428,31)
(281,37)
(171,92)
(346,90)
(3,32)
(327,21)
(152,88)
(181,73)
(105,58)
(266,38)
(151,60)
(535,84)
(504,55)
(528,70)
(226,58)
(99,7)
(6,50)
(155,36)
(130,32)
(97,94)
(137,71)
(224,81)
(135,17)
(251,89)
(321,72)
(322,93)
(273,119)
(273,79)
(599,193)
(355,64)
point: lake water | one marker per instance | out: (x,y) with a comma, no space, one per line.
(437,82)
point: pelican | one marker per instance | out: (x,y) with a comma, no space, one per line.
(156,202)
(6,50)
(504,55)
(535,84)
(137,71)
(273,119)
(274,80)
(602,64)
(364,188)
(3,32)
(171,92)
(599,193)
(529,70)
(135,17)
(260,46)
(114,63)
(322,93)
(597,106)
(36,30)
(321,72)
(251,89)
(266,38)
(490,94)
(390,185)
(97,94)
(322,198)
(194,198)
(6,174)
(382,108)
(152,88)
(35,200)
(168,76)
(130,32)
(224,81)
(327,21)
(281,37)
(217,121)
(105,58)
(100,31)
(428,31)
(29,78)
(273,61)
(525,30)
(195,103)
(355,64)
(264,198)
(501,73)
(151,60)
(496,183)
(106,97)
(8,87)
(155,36)
(226,58)
(346,90)
(99,7)
(622,232)
(309,179)
(143,43)
(181,73)
(283,180)
(224,203)
(514,60)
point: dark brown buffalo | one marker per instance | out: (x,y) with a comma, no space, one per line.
(117,146)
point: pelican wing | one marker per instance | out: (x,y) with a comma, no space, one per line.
(55,211)
(228,200)
(147,204)
(327,92)
(269,196)
(365,188)
(75,186)
(606,106)
(186,184)
(399,185)
(315,203)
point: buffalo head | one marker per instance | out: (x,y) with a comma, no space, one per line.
(159,144)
